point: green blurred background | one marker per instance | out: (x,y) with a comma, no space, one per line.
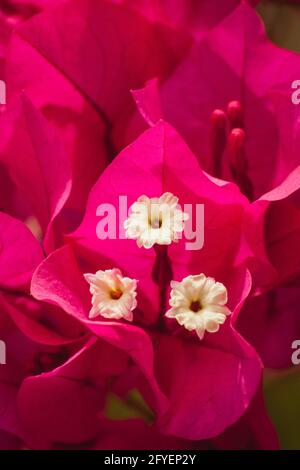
(282,21)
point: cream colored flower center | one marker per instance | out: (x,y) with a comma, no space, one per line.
(198,304)
(113,296)
(155,221)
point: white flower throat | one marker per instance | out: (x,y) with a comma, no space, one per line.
(198,304)
(157,220)
(113,296)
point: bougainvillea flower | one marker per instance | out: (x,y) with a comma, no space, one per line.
(113,108)
(81,96)
(19,256)
(195,116)
(113,296)
(55,395)
(167,317)
(198,304)
(89,108)
(169,357)
(221,125)
(147,45)
(125,54)
(256,82)
(20,253)
(155,221)
(51,388)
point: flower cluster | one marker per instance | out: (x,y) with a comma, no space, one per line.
(171,104)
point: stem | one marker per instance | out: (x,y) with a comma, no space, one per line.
(162,275)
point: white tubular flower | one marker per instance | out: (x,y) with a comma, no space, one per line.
(198,304)
(113,296)
(155,220)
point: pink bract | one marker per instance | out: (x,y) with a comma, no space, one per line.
(169,362)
